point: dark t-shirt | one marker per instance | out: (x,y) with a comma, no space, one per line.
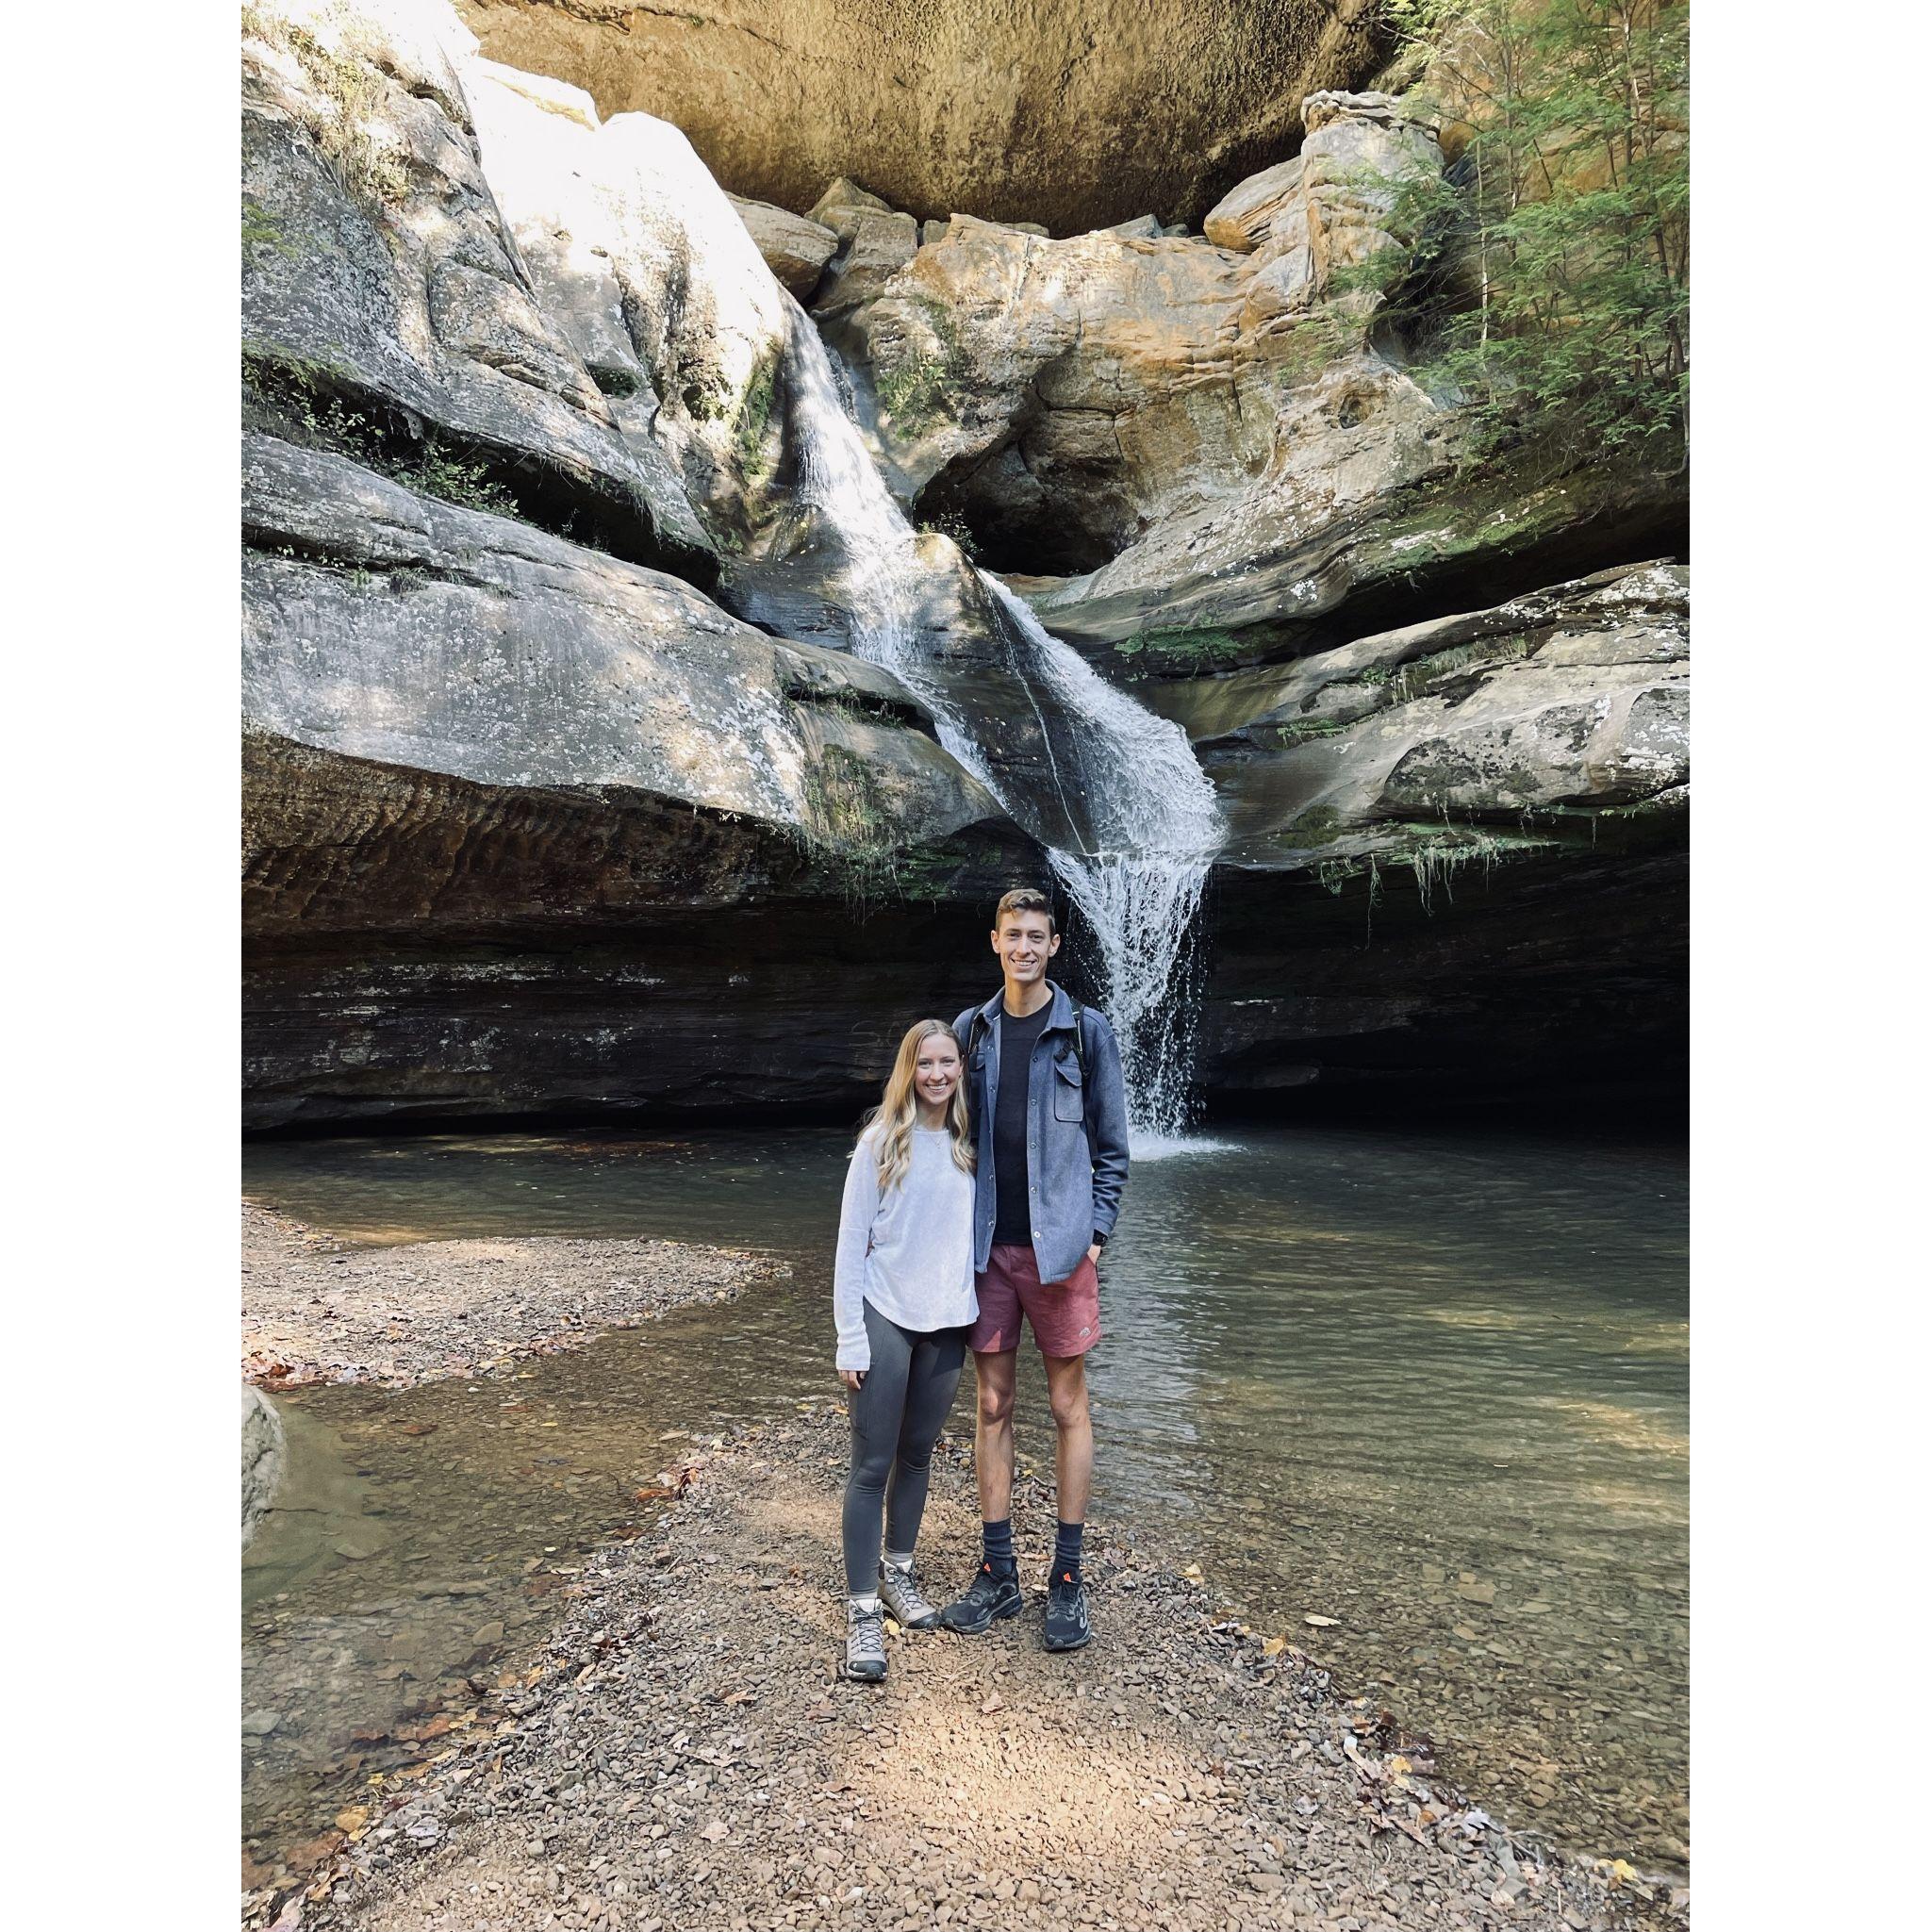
(1012,1208)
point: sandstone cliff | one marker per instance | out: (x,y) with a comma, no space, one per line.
(563,790)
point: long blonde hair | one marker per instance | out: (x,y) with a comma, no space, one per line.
(891,1121)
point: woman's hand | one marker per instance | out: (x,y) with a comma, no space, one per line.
(852,1377)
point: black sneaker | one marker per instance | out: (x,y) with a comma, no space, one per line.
(1069,1627)
(991,1595)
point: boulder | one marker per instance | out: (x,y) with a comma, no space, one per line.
(795,248)
(383,624)
(669,271)
(382,294)
(1480,730)
(263,1453)
(1076,116)
(1242,218)
(1065,399)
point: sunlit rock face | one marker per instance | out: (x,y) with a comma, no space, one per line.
(1066,399)
(1076,116)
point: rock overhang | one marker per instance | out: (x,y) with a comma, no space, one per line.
(1094,113)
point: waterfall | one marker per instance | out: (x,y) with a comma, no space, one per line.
(1144,821)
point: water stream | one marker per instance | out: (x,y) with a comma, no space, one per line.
(1144,816)
(1433,1386)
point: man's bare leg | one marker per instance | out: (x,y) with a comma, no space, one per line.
(994,1591)
(1073,1428)
(993,1433)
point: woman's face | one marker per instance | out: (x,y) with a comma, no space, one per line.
(937,1072)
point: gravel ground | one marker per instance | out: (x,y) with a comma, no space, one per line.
(314,1310)
(684,1759)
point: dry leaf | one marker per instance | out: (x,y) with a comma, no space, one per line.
(1192,1573)
(352,1818)
(1274,1646)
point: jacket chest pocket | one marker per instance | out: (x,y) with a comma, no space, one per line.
(1068,1097)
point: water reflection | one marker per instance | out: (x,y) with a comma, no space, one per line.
(1433,1388)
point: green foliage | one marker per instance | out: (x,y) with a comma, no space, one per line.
(917,394)
(260,228)
(346,95)
(437,469)
(1182,648)
(755,418)
(851,822)
(1551,272)
(952,523)
(307,412)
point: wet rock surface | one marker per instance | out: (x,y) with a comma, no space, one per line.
(685,1756)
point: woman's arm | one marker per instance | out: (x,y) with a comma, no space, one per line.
(849,1267)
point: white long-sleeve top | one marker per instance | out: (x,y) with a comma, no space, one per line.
(910,1253)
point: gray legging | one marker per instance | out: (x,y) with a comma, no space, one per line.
(898,1411)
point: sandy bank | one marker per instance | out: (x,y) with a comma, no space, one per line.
(314,1310)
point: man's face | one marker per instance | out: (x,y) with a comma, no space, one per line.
(1025,942)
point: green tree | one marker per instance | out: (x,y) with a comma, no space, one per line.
(1550,284)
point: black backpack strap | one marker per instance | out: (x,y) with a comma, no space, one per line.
(1079,1040)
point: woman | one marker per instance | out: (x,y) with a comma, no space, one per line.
(902,1299)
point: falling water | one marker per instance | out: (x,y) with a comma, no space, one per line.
(1143,814)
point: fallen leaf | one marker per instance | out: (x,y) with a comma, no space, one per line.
(352,1818)
(1274,1646)
(654,1492)
(416,1428)
(1192,1573)
(312,1851)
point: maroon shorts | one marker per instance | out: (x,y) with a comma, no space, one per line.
(1066,1314)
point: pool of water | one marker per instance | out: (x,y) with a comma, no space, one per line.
(1433,1387)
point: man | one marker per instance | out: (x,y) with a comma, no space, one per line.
(1049,1125)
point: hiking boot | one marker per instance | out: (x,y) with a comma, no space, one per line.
(864,1644)
(905,1602)
(1069,1627)
(992,1594)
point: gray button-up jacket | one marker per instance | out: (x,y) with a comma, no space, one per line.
(1076,1133)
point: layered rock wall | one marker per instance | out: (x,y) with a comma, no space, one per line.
(563,789)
